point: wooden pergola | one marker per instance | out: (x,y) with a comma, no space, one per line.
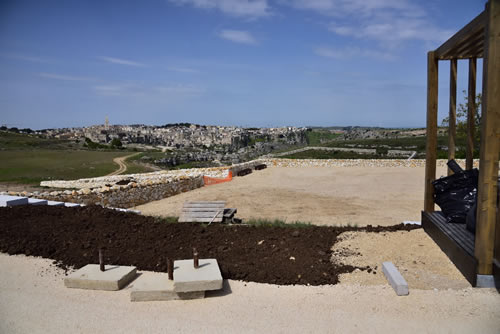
(476,256)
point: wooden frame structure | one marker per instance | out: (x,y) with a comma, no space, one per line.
(477,257)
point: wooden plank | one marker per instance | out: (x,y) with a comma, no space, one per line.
(464,262)
(452,124)
(457,232)
(206,202)
(473,26)
(471,115)
(201,209)
(431,146)
(489,153)
(203,214)
(201,220)
(469,46)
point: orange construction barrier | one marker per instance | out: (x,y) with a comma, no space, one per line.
(212,180)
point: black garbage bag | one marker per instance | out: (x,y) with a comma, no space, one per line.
(456,194)
(470,222)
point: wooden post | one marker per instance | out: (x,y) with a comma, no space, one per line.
(471,114)
(490,137)
(452,124)
(431,147)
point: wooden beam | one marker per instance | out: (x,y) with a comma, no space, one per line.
(431,146)
(490,146)
(470,43)
(471,114)
(452,124)
(476,24)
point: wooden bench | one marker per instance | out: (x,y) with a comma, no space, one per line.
(205,212)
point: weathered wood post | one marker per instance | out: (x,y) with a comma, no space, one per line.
(452,124)
(471,114)
(490,138)
(431,147)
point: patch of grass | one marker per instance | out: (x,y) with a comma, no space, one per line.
(260,222)
(168,219)
(319,137)
(33,166)
(17,141)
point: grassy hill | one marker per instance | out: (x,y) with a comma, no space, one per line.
(29,159)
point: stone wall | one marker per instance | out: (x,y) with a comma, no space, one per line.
(125,191)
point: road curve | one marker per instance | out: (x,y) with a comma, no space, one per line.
(120,161)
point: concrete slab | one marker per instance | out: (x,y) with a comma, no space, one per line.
(188,279)
(156,287)
(6,200)
(92,278)
(36,201)
(71,205)
(55,203)
(395,279)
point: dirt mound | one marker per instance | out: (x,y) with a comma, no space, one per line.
(72,237)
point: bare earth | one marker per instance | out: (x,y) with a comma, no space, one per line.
(320,195)
(33,298)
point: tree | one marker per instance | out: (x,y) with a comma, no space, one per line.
(462,118)
(116,142)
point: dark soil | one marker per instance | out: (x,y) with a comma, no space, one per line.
(72,237)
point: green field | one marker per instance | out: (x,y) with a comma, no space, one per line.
(29,159)
(317,137)
(31,167)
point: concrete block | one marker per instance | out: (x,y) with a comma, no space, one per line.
(485,281)
(395,279)
(71,205)
(55,203)
(156,287)
(188,279)
(6,200)
(36,201)
(92,278)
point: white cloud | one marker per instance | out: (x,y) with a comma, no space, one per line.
(389,22)
(351,52)
(121,61)
(238,36)
(240,8)
(63,77)
(24,57)
(132,88)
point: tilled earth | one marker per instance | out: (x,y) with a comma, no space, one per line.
(276,255)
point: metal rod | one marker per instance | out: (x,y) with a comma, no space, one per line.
(196,262)
(101,260)
(170,269)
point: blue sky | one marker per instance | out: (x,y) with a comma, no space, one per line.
(224,62)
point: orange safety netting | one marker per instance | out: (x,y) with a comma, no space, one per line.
(212,180)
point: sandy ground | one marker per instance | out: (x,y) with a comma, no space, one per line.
(414,253)
(34,300)
(320,195)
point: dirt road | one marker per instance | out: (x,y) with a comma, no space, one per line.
(120,161)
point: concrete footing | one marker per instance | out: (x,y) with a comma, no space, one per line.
(36,201)
(55,203)
(6,200)
(485,281)
(206,277)
(157,287)
(91,277)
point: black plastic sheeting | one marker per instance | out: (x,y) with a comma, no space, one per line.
(456,194)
